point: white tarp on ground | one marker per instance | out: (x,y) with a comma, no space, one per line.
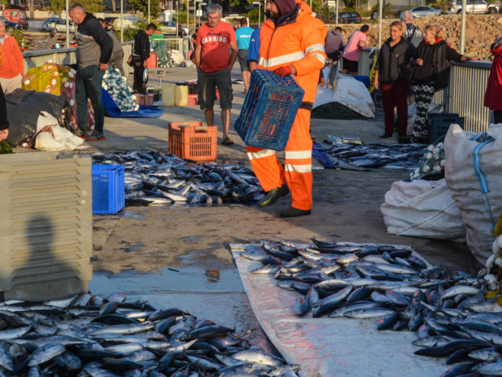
(422,209)
(327,347)
(349,92)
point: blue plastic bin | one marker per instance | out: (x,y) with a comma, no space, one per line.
(108,191)
(269,110)
(439,124)
(364,79)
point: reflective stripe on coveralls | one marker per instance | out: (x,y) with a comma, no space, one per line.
(300,44)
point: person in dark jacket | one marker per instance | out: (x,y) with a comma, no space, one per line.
(335,43)
(93,54)
(141,55)
(431,72)
(391,76)
(117,59)
(493,95)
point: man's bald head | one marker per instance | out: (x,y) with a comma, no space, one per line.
(77,13)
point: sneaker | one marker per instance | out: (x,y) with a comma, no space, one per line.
(81,134)
(95,136)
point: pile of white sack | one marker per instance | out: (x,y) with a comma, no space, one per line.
(121,93)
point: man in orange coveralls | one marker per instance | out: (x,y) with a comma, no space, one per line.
(292,43)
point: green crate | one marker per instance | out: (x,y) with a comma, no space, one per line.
(439,124)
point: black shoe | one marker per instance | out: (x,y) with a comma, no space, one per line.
(384,136)
(95,136)
(295,212)
(273,195)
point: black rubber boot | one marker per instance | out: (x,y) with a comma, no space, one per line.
(273,195)
(295,212)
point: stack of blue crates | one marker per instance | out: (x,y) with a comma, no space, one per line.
(108,189)
(269,110)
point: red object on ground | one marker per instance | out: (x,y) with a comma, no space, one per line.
(193,141)
(152,60)
(192,99)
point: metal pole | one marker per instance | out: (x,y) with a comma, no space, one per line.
(336,14)
(177,20)
(380,15)
(188,16)
(67,23)
(462,27)
(259,14)
(148,11)
(121,20)
(310,4)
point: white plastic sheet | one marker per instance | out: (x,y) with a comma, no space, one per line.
(422,209)
(349,92)
(62,140)
(327,347)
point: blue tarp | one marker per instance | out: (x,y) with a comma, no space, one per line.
(320,155)
(111,109)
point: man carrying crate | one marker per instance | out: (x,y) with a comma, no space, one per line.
(292,43)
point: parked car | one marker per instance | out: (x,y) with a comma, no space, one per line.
(17,16)
(425,11)
(49,23)
(474,6)
(11,25)
(348,18)
(169,27)
(60,26)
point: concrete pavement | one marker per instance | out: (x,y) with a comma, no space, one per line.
(179,255)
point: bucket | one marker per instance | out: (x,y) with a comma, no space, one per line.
(181,95)
(168,95)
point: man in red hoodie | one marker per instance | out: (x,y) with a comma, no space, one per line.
(11,73)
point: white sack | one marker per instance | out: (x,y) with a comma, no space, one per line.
(177,56)
(422,209)
(349,92)
(62,140)
(473,174)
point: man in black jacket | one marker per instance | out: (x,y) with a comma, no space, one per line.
(93,54)
(141,55)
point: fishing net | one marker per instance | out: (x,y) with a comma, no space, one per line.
(433,161)
(335,110)
(121,93)
(58,80)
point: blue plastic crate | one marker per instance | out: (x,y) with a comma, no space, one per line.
(269,110)
(439,124)
(108,191)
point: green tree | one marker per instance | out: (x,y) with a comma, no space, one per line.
(91,6)
(142,6)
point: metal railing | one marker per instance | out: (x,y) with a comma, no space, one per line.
(65,56)
(180,44)
(465,95)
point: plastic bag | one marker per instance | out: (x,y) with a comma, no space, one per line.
(58,80)
(422,209)
(50,136)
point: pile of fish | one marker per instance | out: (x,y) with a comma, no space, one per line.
(447,309)
(375,155)
(121,93)
(156,178)
(97,336)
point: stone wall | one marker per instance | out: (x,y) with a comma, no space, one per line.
(481,32)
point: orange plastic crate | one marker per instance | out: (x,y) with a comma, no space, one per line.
(193,141)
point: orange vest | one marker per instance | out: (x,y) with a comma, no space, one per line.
(300,44)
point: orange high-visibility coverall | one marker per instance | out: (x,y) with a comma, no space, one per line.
(301,44)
